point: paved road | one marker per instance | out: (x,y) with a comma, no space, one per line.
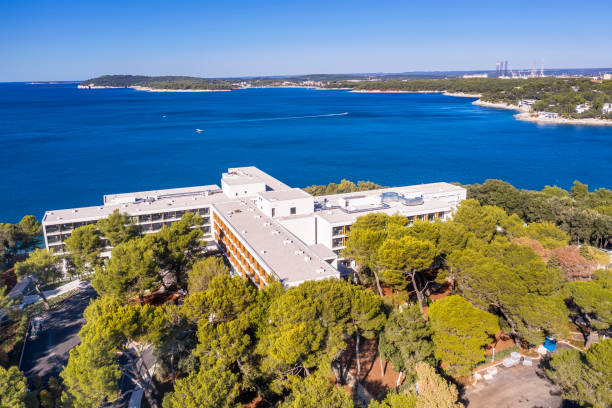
(46,355)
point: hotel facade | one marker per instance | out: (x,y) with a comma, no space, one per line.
(265,229)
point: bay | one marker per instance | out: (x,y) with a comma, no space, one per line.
(63,147)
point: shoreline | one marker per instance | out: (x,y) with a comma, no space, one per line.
(522,114)
(388,91)
(148,89)
(528,116)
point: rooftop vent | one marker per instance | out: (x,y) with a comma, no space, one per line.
(307,258)
(267,224)
(275,232)
(244,231)
(263,251)
(257,216)
(75,211)
(320,270)
(299,252)
(287,242)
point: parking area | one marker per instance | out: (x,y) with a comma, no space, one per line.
(514,387)
(46,354)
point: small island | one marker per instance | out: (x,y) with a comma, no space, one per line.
(558,100)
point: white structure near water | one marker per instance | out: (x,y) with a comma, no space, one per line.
(265,228)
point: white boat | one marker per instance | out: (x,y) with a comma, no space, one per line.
(199,130)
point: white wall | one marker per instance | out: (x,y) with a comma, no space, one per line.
(303,206)
(301,227)
(324,232)
(242,190)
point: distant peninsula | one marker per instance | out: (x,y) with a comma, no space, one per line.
(560,100)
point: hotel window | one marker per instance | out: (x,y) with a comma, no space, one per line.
(206,220)
(292,211)
(51,228)
(336,242)
(337,231)
(156,217)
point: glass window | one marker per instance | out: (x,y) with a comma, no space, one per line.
(336,242)
(51,228)
(156,217)
(337,231)
(293,210)
(206,220)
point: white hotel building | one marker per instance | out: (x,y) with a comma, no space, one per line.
(264,227)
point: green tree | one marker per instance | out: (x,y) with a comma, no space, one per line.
(548,234)
(515,282)
(482,221)
(460,333)
(393,400)
(84,246)
(316,391)
(579,190)
(179,245)
(43,267)
(29,232)
(594,298)
(407,256)
(204,271)
(364,239)
(406,340)
(117,228)
(210,387)
(433,390)
(13,388)
(367,317)
(112,330)
(132,268)
(584,377)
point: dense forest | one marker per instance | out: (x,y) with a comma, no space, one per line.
(159,82)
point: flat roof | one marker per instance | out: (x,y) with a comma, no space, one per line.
(109,198)
(253,171)
(323,251)
(134,208)
(282,195)
(336,215)
(291,260)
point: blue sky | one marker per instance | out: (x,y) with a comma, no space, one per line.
(74,40)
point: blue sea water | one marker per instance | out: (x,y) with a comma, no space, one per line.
(63,147)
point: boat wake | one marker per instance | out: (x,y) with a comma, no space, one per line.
(325,115)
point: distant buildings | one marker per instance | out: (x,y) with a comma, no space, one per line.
(606,108)
(548,115)
(475,76)
(583,107)
(607,77)
(266,229)
(526,105)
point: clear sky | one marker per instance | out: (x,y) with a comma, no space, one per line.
(79,39)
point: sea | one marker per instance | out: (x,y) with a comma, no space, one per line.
(64,147)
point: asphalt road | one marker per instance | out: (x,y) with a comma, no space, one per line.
(47,354)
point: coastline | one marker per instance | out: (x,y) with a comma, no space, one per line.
(389,91)
(529,117)
(461,94)
(148,89)
(532,117)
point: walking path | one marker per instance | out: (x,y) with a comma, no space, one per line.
(49,294)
